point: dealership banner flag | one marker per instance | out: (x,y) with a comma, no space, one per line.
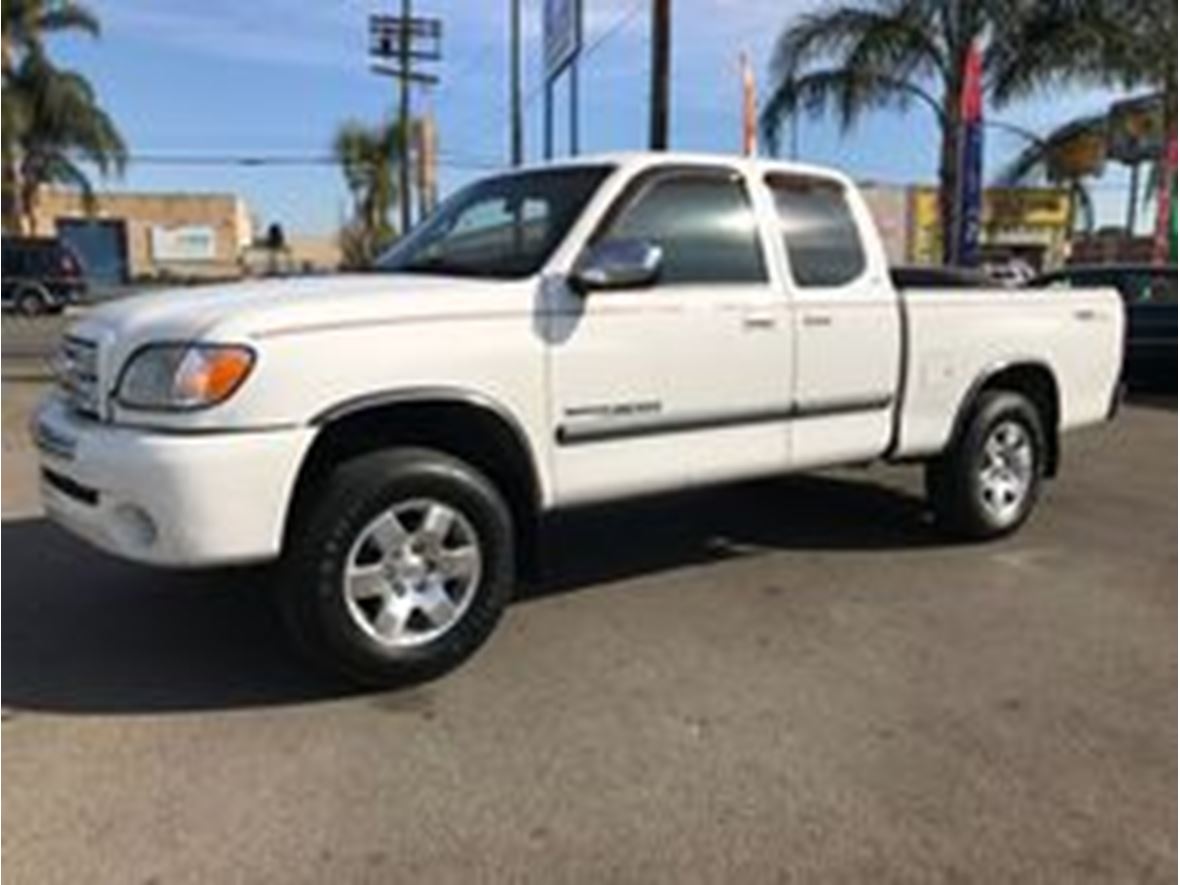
(969,209)
(749,109)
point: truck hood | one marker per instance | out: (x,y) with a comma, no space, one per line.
(255,307)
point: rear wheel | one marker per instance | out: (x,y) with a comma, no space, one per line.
(987,483)
(401,567)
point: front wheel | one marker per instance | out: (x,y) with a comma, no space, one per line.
(401,567)
(988,481)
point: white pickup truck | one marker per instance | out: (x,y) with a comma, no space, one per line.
(582,331)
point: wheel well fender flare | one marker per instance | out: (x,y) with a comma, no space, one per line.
(1032,377)
(509,457)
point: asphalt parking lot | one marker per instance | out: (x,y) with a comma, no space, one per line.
(789,681)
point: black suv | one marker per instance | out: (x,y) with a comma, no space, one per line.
(41,275)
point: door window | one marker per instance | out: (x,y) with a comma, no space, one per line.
(502,227)
(819,231)
(702,221)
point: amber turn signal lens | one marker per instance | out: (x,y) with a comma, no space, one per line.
(210,374)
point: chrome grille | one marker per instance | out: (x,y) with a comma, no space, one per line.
(77,373)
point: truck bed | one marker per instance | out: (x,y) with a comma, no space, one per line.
(955,336)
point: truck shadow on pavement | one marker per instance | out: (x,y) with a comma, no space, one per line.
(85,633)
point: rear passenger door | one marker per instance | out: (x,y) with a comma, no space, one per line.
(846,321)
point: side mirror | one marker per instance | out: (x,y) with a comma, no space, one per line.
(618,264)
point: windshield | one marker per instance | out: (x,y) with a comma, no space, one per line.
(501,227)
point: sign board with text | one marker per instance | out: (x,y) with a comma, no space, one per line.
(1010,215)
(1135,131)
(187,243)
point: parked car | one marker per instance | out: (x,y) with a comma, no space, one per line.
(1149,293)
(40,275)
(578,332)
(1009,273)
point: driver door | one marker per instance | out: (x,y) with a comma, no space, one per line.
(681,382)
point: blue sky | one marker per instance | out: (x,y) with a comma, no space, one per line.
(277,76)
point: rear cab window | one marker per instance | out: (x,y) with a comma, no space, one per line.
(820,235)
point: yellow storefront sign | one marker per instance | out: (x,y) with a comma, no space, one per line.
(1004,209)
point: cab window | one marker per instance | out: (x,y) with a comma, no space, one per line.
(819,231)
(703,222)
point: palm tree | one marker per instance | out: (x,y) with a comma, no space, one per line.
(51,117)
(871,54)
(369,157)
(59,125)
(1050,158)
(26,22)
(1129,44)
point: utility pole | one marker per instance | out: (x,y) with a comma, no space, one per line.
(404,40)
(516,113)
(403,120)
(661,26)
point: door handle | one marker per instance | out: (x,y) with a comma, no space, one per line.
(817,320)
(759,321)
(1085,315)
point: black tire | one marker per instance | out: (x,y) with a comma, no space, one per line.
(311,591)
(31,302)
(955,484)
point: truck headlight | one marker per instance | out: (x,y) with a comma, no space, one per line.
(183,376)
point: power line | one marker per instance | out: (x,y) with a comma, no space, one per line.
(254,160)
(621,22)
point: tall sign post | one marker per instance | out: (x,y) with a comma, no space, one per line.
(562,32)
(968,218)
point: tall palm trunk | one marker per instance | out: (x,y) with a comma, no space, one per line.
(11,215)
(948,168)
(948,186)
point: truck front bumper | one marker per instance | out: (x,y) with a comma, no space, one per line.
(169,499)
